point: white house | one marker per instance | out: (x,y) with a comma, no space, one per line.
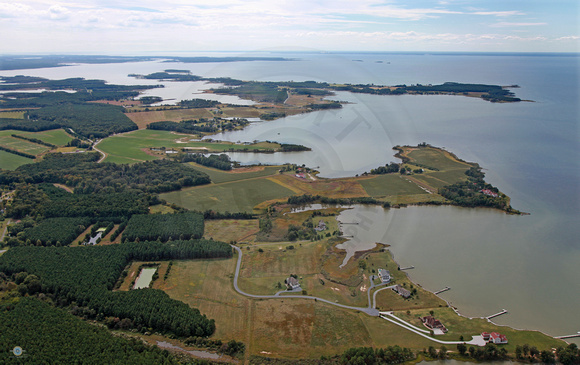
(384,275)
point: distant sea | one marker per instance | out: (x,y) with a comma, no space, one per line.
(529,265)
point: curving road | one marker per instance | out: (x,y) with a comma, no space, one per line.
(368,310)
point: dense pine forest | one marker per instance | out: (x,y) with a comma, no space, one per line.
(162,227)
(50,335)
(86,276)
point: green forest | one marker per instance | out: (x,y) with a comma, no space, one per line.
(49,335)
(86,276)
(162,227)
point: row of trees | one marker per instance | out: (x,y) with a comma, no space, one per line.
(309,199)
(142,227)
(221,162)
(86,275)
(371,356)
(15,152)
(34,140)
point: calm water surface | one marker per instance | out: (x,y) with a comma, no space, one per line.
(528,265)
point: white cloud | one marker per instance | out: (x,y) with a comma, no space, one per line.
(57,12)
(498,13)
(515,24)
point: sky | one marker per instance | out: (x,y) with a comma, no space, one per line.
(122,27)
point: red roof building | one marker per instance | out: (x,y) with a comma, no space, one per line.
(497,338)
(433,323)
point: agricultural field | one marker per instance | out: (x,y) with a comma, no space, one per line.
(238,196)
(134,146)
(10,161)
(220,176)
(12,114)
(143,118)
(21,145)
(227,230)
(389,184)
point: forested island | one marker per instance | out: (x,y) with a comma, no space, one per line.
(277,92)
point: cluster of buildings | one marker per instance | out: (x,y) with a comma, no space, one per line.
(490,193)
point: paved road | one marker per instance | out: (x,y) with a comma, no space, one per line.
(368,310)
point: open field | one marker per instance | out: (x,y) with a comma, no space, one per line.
(240,196)
(132,146)
(21,145)
(10,161)
(220,176)
(227,230)
(335,188)
(142,119)
(55,136)
(389,184)
(12,114)
(290,328)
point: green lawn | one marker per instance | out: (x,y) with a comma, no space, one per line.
(12,115)
(128,147)
(10,161)
(437,158)
(56,136)
(239,196)
(461,326)
(389,184)
(219,176)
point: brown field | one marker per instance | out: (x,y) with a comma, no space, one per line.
(289,328)
(227,230)
(174,115)
(336,188)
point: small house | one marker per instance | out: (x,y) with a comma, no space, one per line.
(384,275)
(401,291)
(321,226)
(485,336)
(292,283)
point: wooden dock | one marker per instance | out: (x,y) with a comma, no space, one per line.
(348,223)
(442,290)
(503,311)
(407,268)
(568,336)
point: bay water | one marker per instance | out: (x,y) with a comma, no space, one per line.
(529,265)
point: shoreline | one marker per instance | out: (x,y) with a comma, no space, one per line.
(456,310)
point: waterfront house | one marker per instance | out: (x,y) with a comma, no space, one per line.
(292,283)
(401,291)
(433,323)
(384,275)
(497,338)
(321,226)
